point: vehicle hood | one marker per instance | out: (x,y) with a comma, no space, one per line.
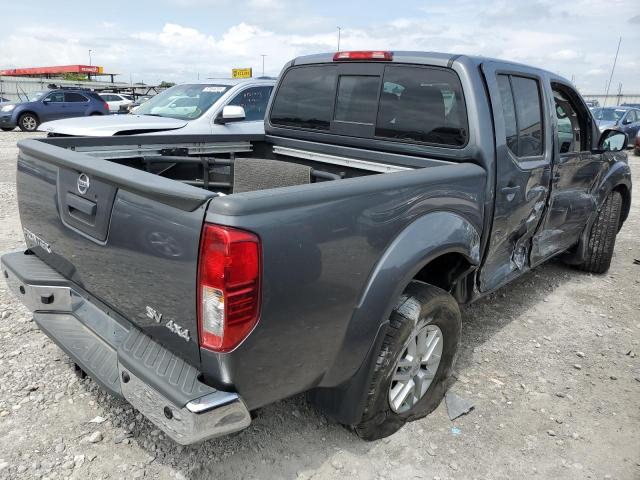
(602,124)
(108,125)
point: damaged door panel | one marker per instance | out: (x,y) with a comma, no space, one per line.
(523,169)
(576,172)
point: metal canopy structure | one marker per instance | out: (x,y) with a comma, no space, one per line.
(59,71)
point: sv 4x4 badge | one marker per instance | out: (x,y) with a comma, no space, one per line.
(156,316)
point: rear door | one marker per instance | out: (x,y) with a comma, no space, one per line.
(76,104)
(523,167)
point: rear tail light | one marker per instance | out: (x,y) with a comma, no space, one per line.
(228,286)
(363,55)
(106,105)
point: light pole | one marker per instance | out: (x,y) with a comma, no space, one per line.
(90,56)
(263,55)
(339,29)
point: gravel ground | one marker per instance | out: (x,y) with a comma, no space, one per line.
(551,362)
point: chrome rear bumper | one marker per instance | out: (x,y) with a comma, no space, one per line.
(121,358)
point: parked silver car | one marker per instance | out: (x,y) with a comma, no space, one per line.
(211,107)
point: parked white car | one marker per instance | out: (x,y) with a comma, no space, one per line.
(116,100)
(225,106)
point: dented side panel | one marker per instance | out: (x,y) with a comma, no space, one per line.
(522,189)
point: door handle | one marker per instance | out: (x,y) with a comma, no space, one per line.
(510,192)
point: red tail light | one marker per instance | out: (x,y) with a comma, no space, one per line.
(228,286)
(106,105)
(363,55)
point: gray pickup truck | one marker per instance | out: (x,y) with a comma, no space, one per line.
(203,277)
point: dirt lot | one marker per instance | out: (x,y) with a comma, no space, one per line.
(552,364)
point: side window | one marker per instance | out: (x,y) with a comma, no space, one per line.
(521,96)
(509,113)
(571,125)
(254,101)
(527,99)
(631,117)
(55,97)
(74,97)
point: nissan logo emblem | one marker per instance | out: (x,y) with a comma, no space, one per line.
(83,183)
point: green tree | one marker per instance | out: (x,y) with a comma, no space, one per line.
(75,77)
(164,84)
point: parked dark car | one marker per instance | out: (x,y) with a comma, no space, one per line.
(201,277)
(625,119)
(50,105)
(637,144)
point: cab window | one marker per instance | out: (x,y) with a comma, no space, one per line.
(422,104)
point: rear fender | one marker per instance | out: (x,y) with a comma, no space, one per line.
(343,389)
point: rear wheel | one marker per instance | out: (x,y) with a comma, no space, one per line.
(602,237)
(28,122)
(7,129)
(414,363)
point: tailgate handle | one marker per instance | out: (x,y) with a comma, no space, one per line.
(78,205)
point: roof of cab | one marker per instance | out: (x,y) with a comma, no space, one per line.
(427,58)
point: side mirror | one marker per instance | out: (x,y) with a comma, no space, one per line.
(612,141)
(230,113)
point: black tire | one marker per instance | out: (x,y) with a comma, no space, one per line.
(419,303)
(28,122)
(602,237)
(94,114)
(7,129)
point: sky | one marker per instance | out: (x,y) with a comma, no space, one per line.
(183,40)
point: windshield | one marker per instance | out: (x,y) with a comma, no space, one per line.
(184,102)
(33,96)
(608,114)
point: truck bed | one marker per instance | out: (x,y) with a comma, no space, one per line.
(132,240)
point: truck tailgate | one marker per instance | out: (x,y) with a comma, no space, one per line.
(127,237)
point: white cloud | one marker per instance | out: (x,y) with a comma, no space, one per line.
(566,54)
(557,36)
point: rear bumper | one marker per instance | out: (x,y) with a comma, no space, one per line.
(121,358)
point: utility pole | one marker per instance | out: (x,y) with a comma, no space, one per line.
(615,59)
(90,56)
(263,55)
(339,29)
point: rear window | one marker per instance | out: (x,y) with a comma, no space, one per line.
(357,98)
(305,98)
(401,103)
(423,105)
